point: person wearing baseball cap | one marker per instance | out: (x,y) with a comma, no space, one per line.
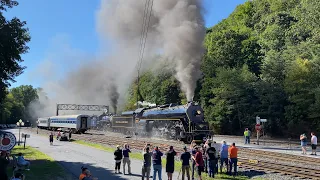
(4,162)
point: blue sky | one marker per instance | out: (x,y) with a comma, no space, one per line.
(64,27)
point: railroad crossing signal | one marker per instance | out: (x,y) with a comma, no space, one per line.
(258,127)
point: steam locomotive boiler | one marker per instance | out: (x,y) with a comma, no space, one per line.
(181,122)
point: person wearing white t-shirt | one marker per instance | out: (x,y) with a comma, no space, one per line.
(314,140)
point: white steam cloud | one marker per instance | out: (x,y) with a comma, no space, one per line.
(176,32)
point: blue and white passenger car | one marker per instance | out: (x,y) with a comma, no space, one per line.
(43,123)
(76,123)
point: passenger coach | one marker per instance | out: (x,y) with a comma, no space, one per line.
(76,123)
(43,123)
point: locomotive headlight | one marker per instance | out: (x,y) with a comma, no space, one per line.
(198,112)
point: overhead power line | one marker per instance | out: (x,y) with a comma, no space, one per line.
(143,38)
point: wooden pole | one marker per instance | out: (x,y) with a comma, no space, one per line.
(25,139)
(258,135)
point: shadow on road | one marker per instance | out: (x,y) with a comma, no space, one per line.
(98,172)
(49,170)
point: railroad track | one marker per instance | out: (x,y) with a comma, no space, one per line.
(280,156)
(285,169)
(244,153)
(245,163)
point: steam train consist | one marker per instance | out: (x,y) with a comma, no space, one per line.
(180,122)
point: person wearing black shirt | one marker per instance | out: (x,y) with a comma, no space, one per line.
(51,138)
(170,162)
(185,158)
(211,155)
(4,162)
(118,158)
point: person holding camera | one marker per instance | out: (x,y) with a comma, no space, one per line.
(146,162)
(126,159)
(170,162)
(4,162)
(156,161)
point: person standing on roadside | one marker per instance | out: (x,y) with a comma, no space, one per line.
(204,155)
(146,162)
(118,158)
(156,161)
(70,134)
(4,162)
(193,153)
(185,158)
(217,148)
(170,162)
(224,155)
(126,159)
(199,162)
(246,134)
(314,142)
(303,139)
(51,139)
(233,154)
(211,155)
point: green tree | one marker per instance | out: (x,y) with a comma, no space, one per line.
(261,60)
(13,39)
(16,104)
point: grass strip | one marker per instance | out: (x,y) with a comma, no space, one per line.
(138,156)
(42,166)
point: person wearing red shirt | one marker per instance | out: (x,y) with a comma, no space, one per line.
(199,162)
(233,154)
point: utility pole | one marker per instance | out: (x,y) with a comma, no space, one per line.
(138,79)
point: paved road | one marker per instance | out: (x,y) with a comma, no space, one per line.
(72,156)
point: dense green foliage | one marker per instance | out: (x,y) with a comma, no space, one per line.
(17,104)
(262,60)
(13,39)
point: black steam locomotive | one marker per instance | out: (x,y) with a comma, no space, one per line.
(181,122)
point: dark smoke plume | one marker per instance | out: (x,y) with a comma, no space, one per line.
(113,94)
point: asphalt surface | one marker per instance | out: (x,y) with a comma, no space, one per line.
(73,156)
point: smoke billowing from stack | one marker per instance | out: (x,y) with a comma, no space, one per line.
(176,31)
(176,27)
(113,94)
(182,27)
